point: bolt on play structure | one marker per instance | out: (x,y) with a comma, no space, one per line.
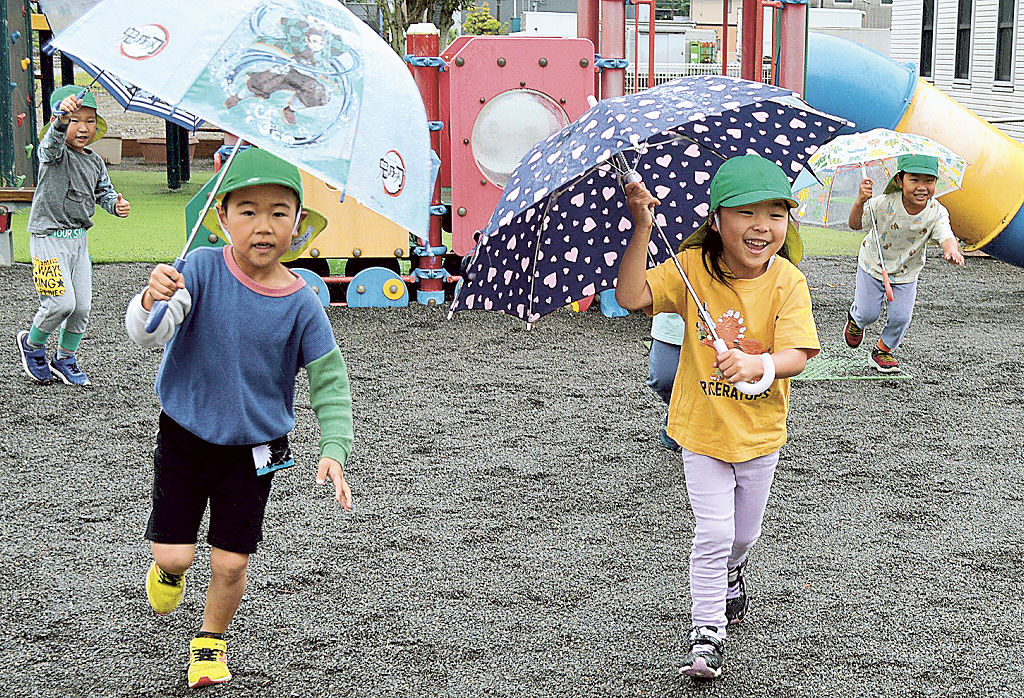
(490,98)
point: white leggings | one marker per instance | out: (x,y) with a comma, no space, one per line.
(728,502)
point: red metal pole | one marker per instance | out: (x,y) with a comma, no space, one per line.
(749,55)
(725,37)
(651,30)
(793,42)
(613,45)
(636,45)
(424,40)
(588,26)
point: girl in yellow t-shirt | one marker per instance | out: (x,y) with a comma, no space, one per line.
(741,265)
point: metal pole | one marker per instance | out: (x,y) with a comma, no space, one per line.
(588,26)
(613,45)
(46,79)
(793,45)
(173,156)
(424,40)
(8,176)
(185,165)
(750,50)
(652,29)
(725,37)
(67,70)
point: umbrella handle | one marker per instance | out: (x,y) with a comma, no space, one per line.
(156,314)
(160,307)
(752,387)
(889,296)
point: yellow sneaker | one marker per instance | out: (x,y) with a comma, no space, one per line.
(207,662)
(164,594)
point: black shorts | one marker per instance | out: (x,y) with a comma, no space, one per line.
(188,472)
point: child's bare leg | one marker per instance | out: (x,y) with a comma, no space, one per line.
(173,559)
(227,584)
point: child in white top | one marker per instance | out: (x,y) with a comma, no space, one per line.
(906,217)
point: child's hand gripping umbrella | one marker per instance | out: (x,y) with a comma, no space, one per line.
(889,296)
(628,175)
(160,306)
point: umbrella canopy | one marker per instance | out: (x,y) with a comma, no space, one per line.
(841,165)
(62,13)
(561,226)
(134,98)
(303,79)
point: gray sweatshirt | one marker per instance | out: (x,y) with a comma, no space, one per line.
(69,187)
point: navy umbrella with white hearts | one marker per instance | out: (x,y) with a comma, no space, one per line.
(562,223)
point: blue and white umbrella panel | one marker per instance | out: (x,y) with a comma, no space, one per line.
(562,224)
(134,98)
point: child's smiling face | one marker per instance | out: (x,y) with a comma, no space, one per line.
(81,128)
(917,190)
(751,234)
(261,221)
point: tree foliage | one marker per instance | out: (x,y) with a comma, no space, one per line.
(479,21)
(398,15)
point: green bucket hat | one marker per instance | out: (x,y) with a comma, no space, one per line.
(750,179)
(252,167)
(915,164)
(88,100)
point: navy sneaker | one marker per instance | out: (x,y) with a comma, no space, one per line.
(666,440)
(706,655)
(67,370)
(736,607)
(33,360)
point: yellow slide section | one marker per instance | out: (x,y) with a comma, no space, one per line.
(993,188)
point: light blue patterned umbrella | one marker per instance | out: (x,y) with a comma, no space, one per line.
(562,224)
(304,79)
(62,13)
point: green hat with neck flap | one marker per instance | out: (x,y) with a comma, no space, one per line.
(914,164)
(252,167)
(88,100)
(750,179)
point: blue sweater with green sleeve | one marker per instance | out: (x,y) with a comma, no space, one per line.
(233,350)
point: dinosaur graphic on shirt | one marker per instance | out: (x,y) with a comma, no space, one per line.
(731,328)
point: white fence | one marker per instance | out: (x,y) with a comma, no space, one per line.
(664,72)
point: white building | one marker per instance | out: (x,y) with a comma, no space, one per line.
(969,49)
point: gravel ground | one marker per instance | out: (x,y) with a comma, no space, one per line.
(518,531)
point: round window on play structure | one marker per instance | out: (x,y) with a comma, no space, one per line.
(508,126)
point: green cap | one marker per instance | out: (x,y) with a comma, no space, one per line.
(88,100)
(915,164)
(750,179)
(252,167)
(918,164)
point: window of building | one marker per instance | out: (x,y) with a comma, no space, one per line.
(886,2)
(962,63)
(927,38)
(1004,40)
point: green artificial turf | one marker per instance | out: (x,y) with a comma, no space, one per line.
(155,230)
(827,242)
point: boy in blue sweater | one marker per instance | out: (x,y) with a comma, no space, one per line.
(238,328)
